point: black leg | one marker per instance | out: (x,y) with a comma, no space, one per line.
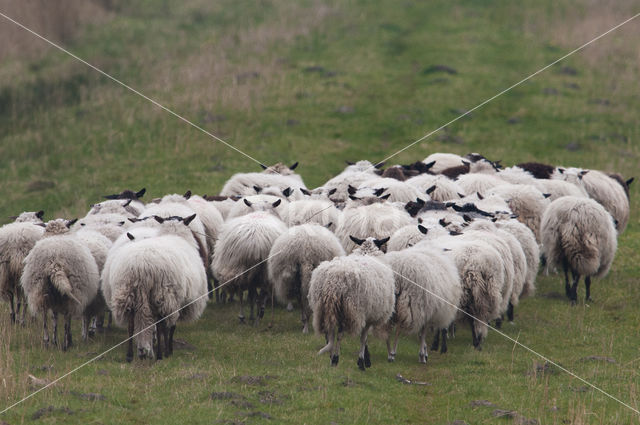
(510,312)
(13,312)
(130,345)
(474,337)
(574,288)
(171,331)
(587,284)
(159,335)
(55,329)
(444,341)
(567,287)
(334,360)
(45,331)
(499,321)
(436,341)
(165,336)
(367,356)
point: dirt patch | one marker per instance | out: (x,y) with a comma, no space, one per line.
(49,410)
(253,380)
(541,368)
(180,344)
(483,403)
(271,397)
(599,358)
(38,185)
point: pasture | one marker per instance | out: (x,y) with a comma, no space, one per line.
(321,82)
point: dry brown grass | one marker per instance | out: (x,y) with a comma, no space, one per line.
(58,21)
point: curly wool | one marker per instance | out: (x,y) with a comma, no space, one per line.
(526,201)
(580,231)
(398,191)
(242,184)
(530,248)
(445,188)
(16,240)
(478,183)
(317,211)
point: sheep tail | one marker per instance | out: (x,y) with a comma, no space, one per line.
(328,318)
(61,283)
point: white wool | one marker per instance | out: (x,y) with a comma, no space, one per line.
(443,161)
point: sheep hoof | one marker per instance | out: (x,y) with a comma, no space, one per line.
(129,359)
(334,360)
(434,347)
(361,363)
(261,313)
(391,357)
(367,357)
(422,359)
(590,300)
(443,350)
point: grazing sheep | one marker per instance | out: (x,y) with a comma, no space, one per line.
(527,202)
(376,220)
(428,292)
(318,211)
(481,274)
(578,234)
(16,240)
(156,280)
(602,188)
(60,275)
(352,294)
(293,257)
(239,262)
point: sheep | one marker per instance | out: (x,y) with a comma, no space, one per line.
(579,235)
(527,202)
(406,237)
(318,211)
(398,191)
(222,203)
(60,275)
(293,257)
(439,188)
(516,175)
(122,207)
(109,225)
(527,241)
(537,169)
(443,161)
(428,292)
(481,272)
(480,164)
(352,175)
(378,220)
(474,183)
(135,206)
(239,261)
(559,188)
(157,280)
(242,184)
(16,240)
(624,183)
(352,294)
(602,188)
(255,203)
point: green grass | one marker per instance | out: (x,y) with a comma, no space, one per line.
(320,83)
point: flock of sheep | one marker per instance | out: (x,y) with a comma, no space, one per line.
(410,248)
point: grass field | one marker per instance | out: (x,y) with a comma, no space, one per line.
(321,82)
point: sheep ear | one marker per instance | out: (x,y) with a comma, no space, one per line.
(546,195)
(456,207)
(422,229)
(120,223)
(561,170)
(385,197)
(431,189)
(380,242)
(158,219)
(305,191)
(332,191)
(264,167)
(628,182)
(350,163)
(582,173)
(454,233)
(275,204)
(379,165)
(380,191)
(428,165)
(188,220)
(446,249)
(71,223)
(356,240)
(443,222)
(130,236)
(141,193)
(353,198)
(479,196)
(514,216)
(449,204)
(40,213)
(420,220)
(494,219)
(328,225)
(467,218)
(187,194)
(257,188)
(461,195)
(293,167)
(126,204)
(247,202)
(351,190)
(287,192)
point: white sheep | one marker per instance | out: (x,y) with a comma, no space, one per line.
(135,205)
(531,250)
(398,191)
(239,262)
(109,225)
(60,275)
(242,184)
(157,280)
(443,161)
(578,234)
(354,174)
(16,240)
(293,257)
(376,220)
(428,292)
(352,294)
(482,183)
(438,187)
(318,211)
(253,203)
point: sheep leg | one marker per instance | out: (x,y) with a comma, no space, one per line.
(171,331)
(423,354)
(55,329)
(567,287)
(452,330)
(334,357)
(587,284)
(67,333)
(85,328)
(45,336)
(436,341)
(93,325)
(444,341)
(510,312)
(304,315)
(251,296)
(13,312)
(363,348)
(474,337)
(241,314)
(110,320)
(130,345)
(159,334)
(99,323)
(574,288)
(22,302)
(395,343)
(165,335)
